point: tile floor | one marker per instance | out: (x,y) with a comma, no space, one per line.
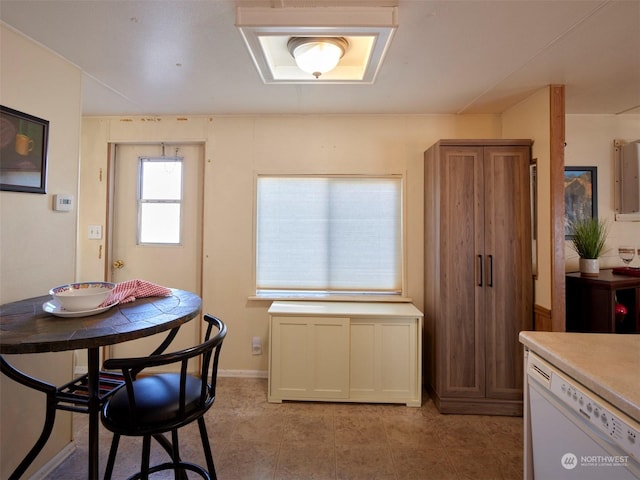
(255,440)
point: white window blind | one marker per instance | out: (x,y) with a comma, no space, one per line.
(329,235)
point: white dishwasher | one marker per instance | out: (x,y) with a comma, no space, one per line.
(575,434)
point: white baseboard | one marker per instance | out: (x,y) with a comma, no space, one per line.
(243,373)
(52,464)
(81,370)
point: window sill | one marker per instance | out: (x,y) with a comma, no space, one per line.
(332,298)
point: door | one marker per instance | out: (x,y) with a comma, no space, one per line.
(509,279)
(461,283)
(167,253)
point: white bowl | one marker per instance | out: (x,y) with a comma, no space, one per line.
(77,297)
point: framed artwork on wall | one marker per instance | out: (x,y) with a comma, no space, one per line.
(23,151)
(580,194)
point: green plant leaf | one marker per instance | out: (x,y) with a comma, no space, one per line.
(588,237)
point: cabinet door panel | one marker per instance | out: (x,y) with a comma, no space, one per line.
(329,342)
(509,286)
(363,358)
(384,359)
(308,357)
(397,358)
(290,343)
(461,302)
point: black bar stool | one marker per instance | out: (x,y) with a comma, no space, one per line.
(150,406)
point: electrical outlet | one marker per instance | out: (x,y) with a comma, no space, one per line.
(256,346)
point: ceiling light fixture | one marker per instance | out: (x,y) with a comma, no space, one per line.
(317,55)
(269,34)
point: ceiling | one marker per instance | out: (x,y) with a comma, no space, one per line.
(187,57)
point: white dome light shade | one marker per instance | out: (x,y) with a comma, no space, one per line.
(317,55)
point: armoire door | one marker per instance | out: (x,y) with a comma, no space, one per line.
(508,268)
(460,335)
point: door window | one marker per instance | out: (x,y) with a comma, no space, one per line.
(160,200)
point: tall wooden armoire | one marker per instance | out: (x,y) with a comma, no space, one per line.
(478,273)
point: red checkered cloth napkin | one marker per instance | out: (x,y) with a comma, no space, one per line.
(128,291)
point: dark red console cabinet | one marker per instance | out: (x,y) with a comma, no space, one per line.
(591,303)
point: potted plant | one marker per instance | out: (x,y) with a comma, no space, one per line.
(588,237)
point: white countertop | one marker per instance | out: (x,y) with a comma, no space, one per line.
(346,309)
(607,364)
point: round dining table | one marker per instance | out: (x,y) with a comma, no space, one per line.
(26,328)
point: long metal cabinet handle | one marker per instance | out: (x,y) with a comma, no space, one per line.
(480,262)
(490,283)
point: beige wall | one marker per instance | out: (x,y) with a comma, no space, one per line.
(247,146)
(239,147)
(590,143)
(38,244)
(92,185)
(530,119)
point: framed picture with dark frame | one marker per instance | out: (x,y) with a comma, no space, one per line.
(23,151)
(580,195)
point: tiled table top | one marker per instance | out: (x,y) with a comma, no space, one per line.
(26,328)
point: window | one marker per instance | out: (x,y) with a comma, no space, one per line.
(160,200)
(329,235)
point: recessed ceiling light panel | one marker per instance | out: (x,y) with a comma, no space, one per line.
(267,32)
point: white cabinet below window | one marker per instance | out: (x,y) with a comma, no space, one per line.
(345,351)
(307,355)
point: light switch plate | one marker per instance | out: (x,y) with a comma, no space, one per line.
(95,232)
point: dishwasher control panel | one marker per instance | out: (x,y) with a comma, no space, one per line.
(617,426)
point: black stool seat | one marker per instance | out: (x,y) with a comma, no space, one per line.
(157,404)
(152,405)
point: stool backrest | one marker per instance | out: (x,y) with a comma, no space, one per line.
(209,351)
